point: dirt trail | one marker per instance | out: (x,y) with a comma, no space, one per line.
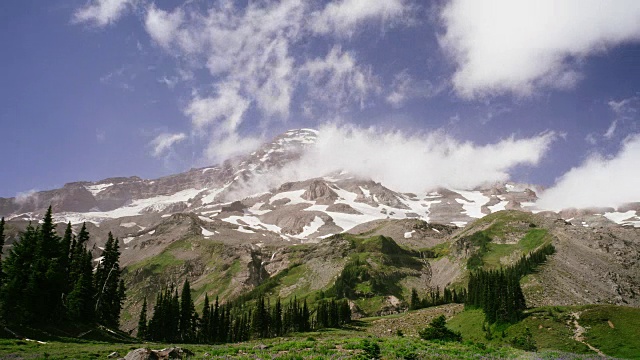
(578,333)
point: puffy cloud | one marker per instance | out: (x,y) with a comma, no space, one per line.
(102,12)
(163,142)
(341,18)
(505,46)
(599,181)
(162,25)
(407,163)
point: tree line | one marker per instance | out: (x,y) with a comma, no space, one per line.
(48,278)
(175,318)
(498,292)
(435,298)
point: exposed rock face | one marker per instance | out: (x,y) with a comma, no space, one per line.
(343,208)
(320,192)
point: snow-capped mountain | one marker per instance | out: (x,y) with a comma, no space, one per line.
(306,209)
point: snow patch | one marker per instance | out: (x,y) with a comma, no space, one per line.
(311,228)
(242,229)
(96,189)
(498,207)
(206,232)
(409,235)
(473,207)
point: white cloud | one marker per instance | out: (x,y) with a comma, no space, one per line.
(338,80)
(163,142)
(611,130)
(506,46)
(102,12)
(342,18)
(598,182)
(229,145)
(257,59)
(226,108)
(162,25)
(404,88)
(408,163)
(24,197)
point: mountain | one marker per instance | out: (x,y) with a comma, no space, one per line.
(238,228)
(304,209)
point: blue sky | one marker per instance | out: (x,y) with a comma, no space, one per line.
(100,88)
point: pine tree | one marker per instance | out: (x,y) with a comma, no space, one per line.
(110,290)
(415,300)
(81,302)
(18,266)
(204,333)
(65,247)
(276,319)
(2,238)
(187,314)
(48,277)
(142,321)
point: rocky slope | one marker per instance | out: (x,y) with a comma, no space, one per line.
(211,225)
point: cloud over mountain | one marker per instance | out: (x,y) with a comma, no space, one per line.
(599,181)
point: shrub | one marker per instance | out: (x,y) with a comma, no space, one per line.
(371,349)
(525,342)
(438,330)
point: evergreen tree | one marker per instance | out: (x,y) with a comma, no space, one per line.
(142,321)
(2,238)
(16,303)
(65,248)
(109,288)
(415,302)
(438,330)
(276,319)
(204,333)
(47,280)
(81,302)
(187,314)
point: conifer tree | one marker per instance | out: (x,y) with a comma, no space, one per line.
(187,314)
(204,333)
(81,301)
(142,321)
(47,278)
(415,302)
(65,247)
(16,303)
(2,238)
(109,288)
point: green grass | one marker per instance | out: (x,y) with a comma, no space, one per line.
(533,239)
(156,264)
(548,326)
(436,252)
(623,340)
(495,252)
(315,345)
(490,255)
(550,330)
